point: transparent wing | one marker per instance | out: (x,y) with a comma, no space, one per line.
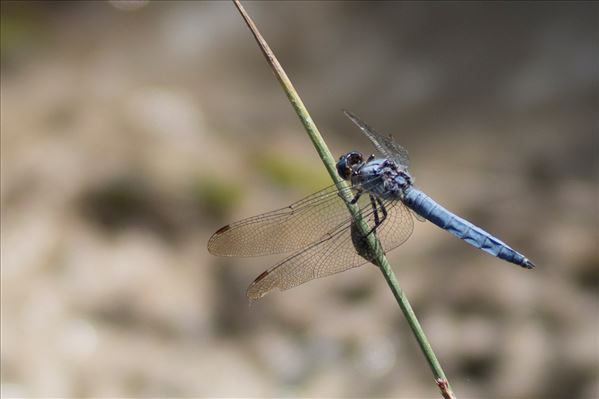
(385,144)
(283,230)
(336,251)
(418,217)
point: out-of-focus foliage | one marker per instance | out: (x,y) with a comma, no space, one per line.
(17,31)
(216,197)
(285,171)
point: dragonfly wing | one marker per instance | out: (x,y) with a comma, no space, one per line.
(418,217)
(335,252)
(385,144)
(283,230)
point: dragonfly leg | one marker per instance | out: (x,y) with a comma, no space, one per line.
(375,212)
(383,209)
(356,197)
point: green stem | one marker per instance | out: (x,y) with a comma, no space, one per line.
(373,242)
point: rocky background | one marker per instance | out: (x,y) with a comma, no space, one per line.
(131,131)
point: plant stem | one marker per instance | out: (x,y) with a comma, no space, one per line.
(373,243)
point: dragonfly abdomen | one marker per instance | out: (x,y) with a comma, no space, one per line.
(426,207)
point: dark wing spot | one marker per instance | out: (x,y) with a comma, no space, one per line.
(254,296)
(222,229)
(260,277)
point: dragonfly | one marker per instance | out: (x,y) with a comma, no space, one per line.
(324,238)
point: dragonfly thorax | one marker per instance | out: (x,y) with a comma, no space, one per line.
(380,176)
(384,178)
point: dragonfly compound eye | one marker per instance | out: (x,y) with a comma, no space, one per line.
(347,163)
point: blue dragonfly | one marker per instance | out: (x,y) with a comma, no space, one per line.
(323,237)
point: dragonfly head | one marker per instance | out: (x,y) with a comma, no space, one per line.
(348,164)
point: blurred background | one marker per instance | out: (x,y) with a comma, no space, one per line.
(131,131)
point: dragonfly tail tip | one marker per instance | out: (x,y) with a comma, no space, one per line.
(528,264)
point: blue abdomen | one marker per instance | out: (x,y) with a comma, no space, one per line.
(426,207)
